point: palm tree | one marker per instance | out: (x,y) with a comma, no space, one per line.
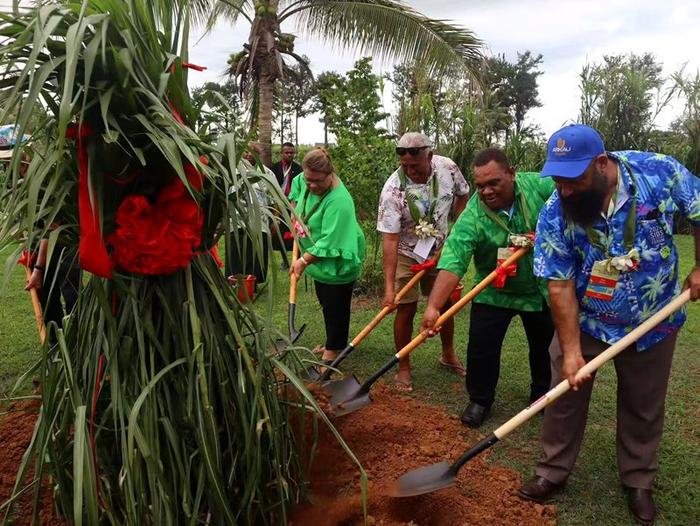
(387,29)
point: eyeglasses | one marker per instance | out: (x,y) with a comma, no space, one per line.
(412,151)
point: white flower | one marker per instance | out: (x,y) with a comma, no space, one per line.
(522,241)
(425,230)
(626,263)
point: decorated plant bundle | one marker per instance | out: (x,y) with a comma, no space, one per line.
(163,401)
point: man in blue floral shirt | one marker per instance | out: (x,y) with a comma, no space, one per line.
(604,242)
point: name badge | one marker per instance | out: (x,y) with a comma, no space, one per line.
(423,248)
(602,282)
(503,254)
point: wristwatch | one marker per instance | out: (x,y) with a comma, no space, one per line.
(39,267)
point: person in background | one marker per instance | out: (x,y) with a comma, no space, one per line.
(285,172)
(56,279)
(414,210)
(243,257)
(605,244)
(507,204)
(331,244)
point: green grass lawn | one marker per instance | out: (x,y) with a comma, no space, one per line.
(593,496)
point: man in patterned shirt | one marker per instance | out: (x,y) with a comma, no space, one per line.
(604,242)
(414,209)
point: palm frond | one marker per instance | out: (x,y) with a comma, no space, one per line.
(388,29)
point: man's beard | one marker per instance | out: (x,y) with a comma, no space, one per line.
(584,208)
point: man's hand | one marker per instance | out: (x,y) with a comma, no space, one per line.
(571,364)
(693,283)
(389,297)
(430,316)
(298,267)
(35,280)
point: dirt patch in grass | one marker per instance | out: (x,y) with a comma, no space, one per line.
(16,429)
(399,433)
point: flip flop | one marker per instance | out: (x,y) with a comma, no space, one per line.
(402,385)
(459,370)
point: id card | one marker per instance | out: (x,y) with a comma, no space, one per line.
(602,282)
(423,248)
(503,254)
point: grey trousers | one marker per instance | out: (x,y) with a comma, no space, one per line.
(642,381)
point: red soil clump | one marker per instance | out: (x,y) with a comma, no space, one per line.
(396,434)
(16,429)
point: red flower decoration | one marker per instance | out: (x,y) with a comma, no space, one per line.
(159,238)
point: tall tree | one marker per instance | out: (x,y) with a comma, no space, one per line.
(621,97)
(325,98)
(384,28)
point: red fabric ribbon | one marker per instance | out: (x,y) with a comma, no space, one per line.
(215,254)
(159,238)
(288,236)
(28,259)
(92,249)
(423,266)
(502,274)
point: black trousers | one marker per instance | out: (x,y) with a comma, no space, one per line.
(242,259)
(61,280)
(335,303)
(487,329)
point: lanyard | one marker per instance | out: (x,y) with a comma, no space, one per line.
(596,239)
(411,199)
(304,217)
(522,202)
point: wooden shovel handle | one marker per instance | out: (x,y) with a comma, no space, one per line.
(36,305)
(293,277)
(474,292)
(609,353)
(386,310)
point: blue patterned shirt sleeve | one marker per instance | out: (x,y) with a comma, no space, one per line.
(554,257)
(685,191)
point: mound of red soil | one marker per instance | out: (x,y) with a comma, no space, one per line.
(396,434)
(16,429)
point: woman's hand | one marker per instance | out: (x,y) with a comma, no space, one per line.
(298,267)
(35,280)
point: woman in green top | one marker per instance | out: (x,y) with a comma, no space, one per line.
(331,243)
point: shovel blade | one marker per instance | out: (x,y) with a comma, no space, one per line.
(422,480)
(346,395)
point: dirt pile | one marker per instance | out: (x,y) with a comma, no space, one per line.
(393,435)
(16,429)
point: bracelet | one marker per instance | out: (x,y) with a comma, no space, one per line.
(39,267)
(306,263)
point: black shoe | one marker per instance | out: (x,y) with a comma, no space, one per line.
(475,414)
(539,489)
(641,504)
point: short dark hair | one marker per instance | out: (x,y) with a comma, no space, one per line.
(287,145)
(487,155)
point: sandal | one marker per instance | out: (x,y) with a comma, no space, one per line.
(457,369)
(403,385)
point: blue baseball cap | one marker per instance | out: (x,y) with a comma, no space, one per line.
(570,151)
(8,139)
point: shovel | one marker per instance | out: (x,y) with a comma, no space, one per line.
(370,326)
(36,304)
(442,475)
(348,395)
(294,334)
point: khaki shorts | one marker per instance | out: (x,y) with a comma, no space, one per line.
(404,275)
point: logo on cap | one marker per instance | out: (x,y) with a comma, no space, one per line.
(561,148)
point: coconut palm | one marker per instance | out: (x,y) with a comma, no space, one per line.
(386,29)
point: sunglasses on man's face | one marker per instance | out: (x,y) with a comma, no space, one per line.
(411,151)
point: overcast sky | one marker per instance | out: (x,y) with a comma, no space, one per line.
(567,33)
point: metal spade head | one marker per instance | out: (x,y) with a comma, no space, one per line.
(294,334)
(423,480)
(347,395)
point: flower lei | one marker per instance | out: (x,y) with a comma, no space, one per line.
(626,263)
(425,228)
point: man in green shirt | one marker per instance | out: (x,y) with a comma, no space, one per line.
(507,204)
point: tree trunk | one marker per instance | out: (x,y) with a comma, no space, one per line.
(266,86)
(325,130)
(296,129)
